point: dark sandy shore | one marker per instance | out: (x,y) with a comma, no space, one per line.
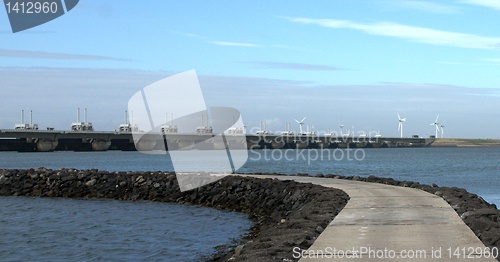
(287,214)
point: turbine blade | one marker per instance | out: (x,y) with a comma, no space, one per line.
(297,121)
(437,118)
(303,119)
(399,116)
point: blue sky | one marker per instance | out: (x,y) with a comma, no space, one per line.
(355,63)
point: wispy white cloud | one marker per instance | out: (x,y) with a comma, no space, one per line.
(286,47)
(495,4)
(494,60)
(411,33)
(424,6)
(226,43)
(52,55)
(481,62)
(187,34)
(450,63)
(295,66)
(214,42)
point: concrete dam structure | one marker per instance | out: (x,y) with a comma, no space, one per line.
(27,140)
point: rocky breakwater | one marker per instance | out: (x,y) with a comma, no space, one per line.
(287,214)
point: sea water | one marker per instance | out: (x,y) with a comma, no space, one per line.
(113,230)
(60,229)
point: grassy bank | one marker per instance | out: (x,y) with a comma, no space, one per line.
(461,142)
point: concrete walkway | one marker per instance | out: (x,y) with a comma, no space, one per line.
(389,223)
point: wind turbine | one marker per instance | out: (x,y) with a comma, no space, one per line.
(301,122)
(442,131)
(436,124)
(400,126)
(341,129)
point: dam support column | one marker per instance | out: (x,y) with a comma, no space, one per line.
(46,145)
(145,145)
(100,145)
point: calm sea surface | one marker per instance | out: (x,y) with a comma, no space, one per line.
(58,229)
(111,230)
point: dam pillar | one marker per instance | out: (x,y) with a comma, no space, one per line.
(323,144)
(145,145)
(217,143)
(301,144)
(100,145)
(185,144)
(278,142)
(43,145)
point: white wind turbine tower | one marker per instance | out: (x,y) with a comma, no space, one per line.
(442,131)
(301,122)
(400,126)
(436,124)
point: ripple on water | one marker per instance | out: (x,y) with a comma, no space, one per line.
(51,229)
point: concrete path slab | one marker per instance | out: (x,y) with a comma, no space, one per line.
(389,223)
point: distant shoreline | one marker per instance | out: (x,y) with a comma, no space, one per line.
(463,142)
